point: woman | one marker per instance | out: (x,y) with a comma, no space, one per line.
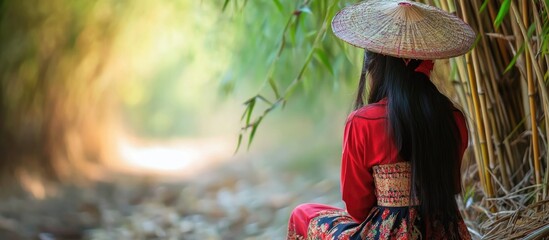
(401,152)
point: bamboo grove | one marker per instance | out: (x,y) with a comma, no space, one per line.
(502,87)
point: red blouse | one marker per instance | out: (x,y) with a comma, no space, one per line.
(366,144)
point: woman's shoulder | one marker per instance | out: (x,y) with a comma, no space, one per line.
(378,110)
(373,111)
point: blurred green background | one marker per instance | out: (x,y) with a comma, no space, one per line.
(120,119)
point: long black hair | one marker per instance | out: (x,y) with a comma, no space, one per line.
(422,124)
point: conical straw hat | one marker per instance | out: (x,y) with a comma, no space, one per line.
(403,29)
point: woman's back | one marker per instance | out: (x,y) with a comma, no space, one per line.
(371,149)
(375,186)
(408,142)
(371,121)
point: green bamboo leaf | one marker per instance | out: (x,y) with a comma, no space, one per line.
(503,11)
(264,99)
(252,105)
(483,6)
(245,111)
(273,85)
(238,143)
(225,5)
(279,6)
(250,100)
(247,103)
(545,40)
(254,129)
(514,60)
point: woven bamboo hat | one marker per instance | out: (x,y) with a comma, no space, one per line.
(404,29)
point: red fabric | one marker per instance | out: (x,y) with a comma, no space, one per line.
(302,215)
(425,67)
(366,143)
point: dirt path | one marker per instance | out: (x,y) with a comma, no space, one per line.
(247,196)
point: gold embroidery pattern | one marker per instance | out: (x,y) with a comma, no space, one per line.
(392,182)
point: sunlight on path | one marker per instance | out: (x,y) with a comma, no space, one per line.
(161,158)
(181,157)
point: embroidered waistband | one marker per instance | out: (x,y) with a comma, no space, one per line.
(392,183)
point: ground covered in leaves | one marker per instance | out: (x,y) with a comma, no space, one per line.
(242,199)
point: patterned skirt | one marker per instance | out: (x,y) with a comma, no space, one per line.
(317,221)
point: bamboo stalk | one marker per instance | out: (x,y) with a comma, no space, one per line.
(495,100)
(512,154)
(444,5)
(484,128)
(504,53)
(523,96)
(451,6)
(542,58)
(531,94)
(514,97)
(504,169)
(470,58)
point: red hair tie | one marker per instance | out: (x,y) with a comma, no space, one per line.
(425,67)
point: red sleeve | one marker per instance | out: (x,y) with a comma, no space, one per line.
(357,183)
(464,135)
